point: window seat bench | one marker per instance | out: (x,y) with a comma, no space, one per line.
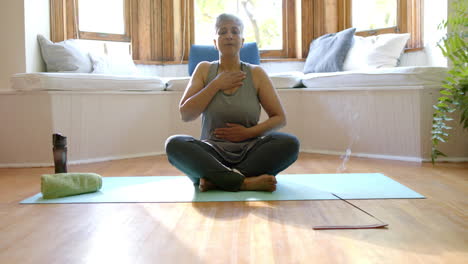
(108,117)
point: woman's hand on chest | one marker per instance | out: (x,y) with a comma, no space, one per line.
(230,81)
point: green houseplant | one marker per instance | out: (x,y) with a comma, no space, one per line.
(453,95)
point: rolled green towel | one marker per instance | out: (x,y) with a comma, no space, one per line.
(66,184)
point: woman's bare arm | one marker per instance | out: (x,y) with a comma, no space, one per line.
(270,102)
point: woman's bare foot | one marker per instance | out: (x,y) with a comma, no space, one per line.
(206,185)
(264,182)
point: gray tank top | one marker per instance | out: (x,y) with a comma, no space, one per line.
(242,107)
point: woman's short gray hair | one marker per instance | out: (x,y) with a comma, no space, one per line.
(228,17)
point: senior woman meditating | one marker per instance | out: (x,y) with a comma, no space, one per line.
(235,151)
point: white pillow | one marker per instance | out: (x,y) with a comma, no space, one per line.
(381,51)
(115,64)
(65,56)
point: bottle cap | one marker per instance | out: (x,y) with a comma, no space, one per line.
(58,140)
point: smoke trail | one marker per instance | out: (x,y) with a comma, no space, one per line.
(354,136)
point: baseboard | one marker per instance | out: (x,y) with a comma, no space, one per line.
(25,165)
(326,152)
(139,155)
(84,161)
(448,159)
(364,155)
(389,157)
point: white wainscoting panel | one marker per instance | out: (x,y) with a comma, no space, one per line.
(391,124)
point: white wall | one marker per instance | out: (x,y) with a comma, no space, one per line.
(12,50)
(20,22)
(434,13)
(37,21)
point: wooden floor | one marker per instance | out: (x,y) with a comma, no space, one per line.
(432,230)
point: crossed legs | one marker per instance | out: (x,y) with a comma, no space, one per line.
(207,169)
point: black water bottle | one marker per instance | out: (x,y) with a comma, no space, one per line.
(60,153)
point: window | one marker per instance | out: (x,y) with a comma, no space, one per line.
(87,19)
(263,21)
(270,23)
(161,31)
(372,15)
(101,19)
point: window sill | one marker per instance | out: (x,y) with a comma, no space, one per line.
(146,62)
(280,59)
(414,49)
(159,62)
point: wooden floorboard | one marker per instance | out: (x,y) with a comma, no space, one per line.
(432,230)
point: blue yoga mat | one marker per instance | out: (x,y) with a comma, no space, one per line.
(160,189)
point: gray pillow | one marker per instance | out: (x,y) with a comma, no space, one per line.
(328,52)
(64,56)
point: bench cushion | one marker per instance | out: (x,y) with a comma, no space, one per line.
(51,81)
(399,76)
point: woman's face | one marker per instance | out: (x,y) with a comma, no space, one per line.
(229,38)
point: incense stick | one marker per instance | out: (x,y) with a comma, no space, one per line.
(381,225)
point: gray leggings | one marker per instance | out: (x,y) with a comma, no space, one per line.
(272,154)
